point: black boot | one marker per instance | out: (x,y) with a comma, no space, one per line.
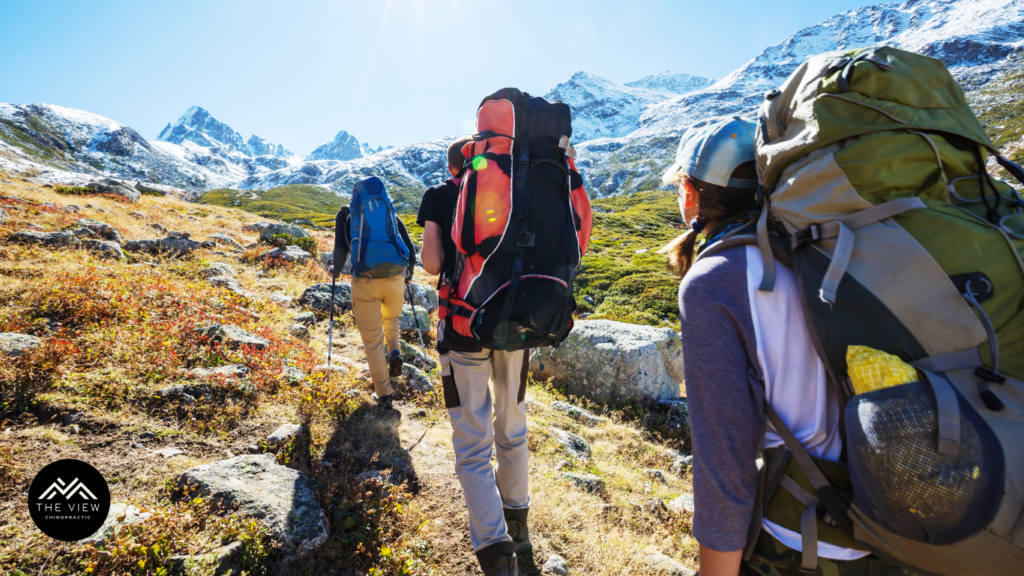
(498,560)
(515,522)
(395,363)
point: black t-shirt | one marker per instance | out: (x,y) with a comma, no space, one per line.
(438,206)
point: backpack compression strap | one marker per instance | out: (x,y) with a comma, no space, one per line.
(524,239)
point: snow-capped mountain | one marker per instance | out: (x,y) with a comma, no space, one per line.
(669,83)
(625,134)
(257,146)
(343,147)
(973,37)
(73,146)
(198,126)
(602,108)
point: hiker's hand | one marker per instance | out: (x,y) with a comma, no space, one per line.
(408,279)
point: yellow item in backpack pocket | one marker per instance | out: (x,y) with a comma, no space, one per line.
(871,369)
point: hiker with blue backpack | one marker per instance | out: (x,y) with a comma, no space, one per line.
(852,307)
(383,260)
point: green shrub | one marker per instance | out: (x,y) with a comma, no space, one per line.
(307,244)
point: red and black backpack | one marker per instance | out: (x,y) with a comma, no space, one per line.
(522,225)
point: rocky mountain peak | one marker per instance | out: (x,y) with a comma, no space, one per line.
(343,147)
(257,146)
(669,83)
(199,126)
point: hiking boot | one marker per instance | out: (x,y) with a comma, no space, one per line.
(498,560)
(515,522)
(395,364)
(385,402)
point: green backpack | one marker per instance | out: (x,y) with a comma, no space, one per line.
(874,180)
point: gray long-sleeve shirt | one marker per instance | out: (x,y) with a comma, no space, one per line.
(724,397)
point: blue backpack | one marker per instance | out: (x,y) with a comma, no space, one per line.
(377,250)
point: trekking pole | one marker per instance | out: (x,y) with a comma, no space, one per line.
(423,349)
(330,330)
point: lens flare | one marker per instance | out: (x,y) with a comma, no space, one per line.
(479,163)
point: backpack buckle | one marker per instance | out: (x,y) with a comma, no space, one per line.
(810,234)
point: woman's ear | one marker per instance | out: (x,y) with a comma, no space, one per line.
(690,197)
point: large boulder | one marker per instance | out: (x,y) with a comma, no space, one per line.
(102,229)
(255,486)
(176,245)
(47,239)
(268,229)
(287,254)
(422,296)
(104,248)
(14,344)
(111,186)
(226,240)
(317,298)
(231,336)
(610,361)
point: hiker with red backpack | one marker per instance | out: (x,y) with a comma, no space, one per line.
(521,223)
(848,313)
(383,261)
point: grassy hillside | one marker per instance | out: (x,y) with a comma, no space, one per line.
(288,203)
(115,332)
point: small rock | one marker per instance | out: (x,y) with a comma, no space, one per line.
(578,413)
(306,319)
(416,379)
(292,374)
(104,230)
(230,336)
(14,344)
(286,254)
(186,394)
(219,269)
(111,186)
(47,239)
(555,565)
(408,323)
(589,299)
(120,515)
(281,298)
(104,248)
(158,226)
(169,452)
(666,565)
(586,482)
(73,208)
(73,418)
(656,507)
(353,393)
(681,466)
(226,371)
(136,445)
(252,449)
(642,251)
(138,215)
(283,435)
(147,435)
(414,356)
(575,445)
(381,476)
(317,298)
(299,331)
(422,296)
(179,234)
(224,560)
(682,503)
(657,475)
(74,429)
(269,229)
(227,283)
(221,238)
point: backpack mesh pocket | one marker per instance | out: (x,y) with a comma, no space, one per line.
(900,480)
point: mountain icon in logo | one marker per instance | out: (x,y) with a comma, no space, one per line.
(69,511)
(75,487)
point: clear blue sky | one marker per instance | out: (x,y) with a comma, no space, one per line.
(389,72)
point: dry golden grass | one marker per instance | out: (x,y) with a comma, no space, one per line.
(117,355)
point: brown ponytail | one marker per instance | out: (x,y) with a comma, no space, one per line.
(717,203)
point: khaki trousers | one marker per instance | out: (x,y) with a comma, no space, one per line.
(477,432)
(377,304)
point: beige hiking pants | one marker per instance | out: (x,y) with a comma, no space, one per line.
(476,431)
(377,304)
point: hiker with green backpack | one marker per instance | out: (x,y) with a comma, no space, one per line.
(854,328)
(383,261)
